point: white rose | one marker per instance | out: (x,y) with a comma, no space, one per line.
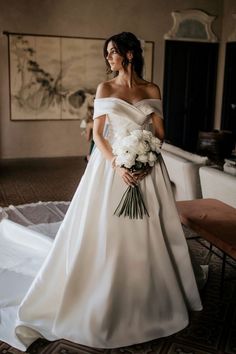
(126,159)
(151,158)
(147,135)
(117,148)
(143,147)
(130,143)
(142,158)
(155,144)
(137,133)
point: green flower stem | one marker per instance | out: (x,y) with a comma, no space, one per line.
(132,204)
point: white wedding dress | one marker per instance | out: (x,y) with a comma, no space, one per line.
(107,281)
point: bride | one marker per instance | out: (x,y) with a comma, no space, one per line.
(110,281)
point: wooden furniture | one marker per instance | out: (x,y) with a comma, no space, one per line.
(215,222)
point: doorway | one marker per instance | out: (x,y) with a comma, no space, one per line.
(228,121)
(189,91)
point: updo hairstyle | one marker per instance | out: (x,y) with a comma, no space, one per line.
(125,42)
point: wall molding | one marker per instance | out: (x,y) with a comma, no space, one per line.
(192,25)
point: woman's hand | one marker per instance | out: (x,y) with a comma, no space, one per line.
(127,176)
(139,175)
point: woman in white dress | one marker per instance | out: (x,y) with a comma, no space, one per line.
(111,281)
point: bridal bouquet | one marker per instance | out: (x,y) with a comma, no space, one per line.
(136,152)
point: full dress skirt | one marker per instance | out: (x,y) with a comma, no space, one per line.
(110,281)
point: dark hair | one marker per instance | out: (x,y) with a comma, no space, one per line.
(125,42)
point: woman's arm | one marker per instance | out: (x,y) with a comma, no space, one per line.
(99,123)
(102,143)
(158,126)
(106,149)
(157,122)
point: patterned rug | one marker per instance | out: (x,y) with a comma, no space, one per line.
(213,330)
(30,180)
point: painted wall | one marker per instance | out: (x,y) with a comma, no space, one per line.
(149,19)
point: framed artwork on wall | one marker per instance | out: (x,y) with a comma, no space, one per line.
(55,78)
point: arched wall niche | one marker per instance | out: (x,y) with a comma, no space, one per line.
(191,25)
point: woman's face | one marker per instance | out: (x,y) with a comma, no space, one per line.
(113,57)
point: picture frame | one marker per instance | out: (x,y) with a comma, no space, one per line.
(55,77)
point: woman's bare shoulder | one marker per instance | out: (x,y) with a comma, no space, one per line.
(104,89)
(153,90)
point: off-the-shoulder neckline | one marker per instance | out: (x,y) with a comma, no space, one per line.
(129,103)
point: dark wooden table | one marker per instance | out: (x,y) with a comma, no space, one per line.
(215,222)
